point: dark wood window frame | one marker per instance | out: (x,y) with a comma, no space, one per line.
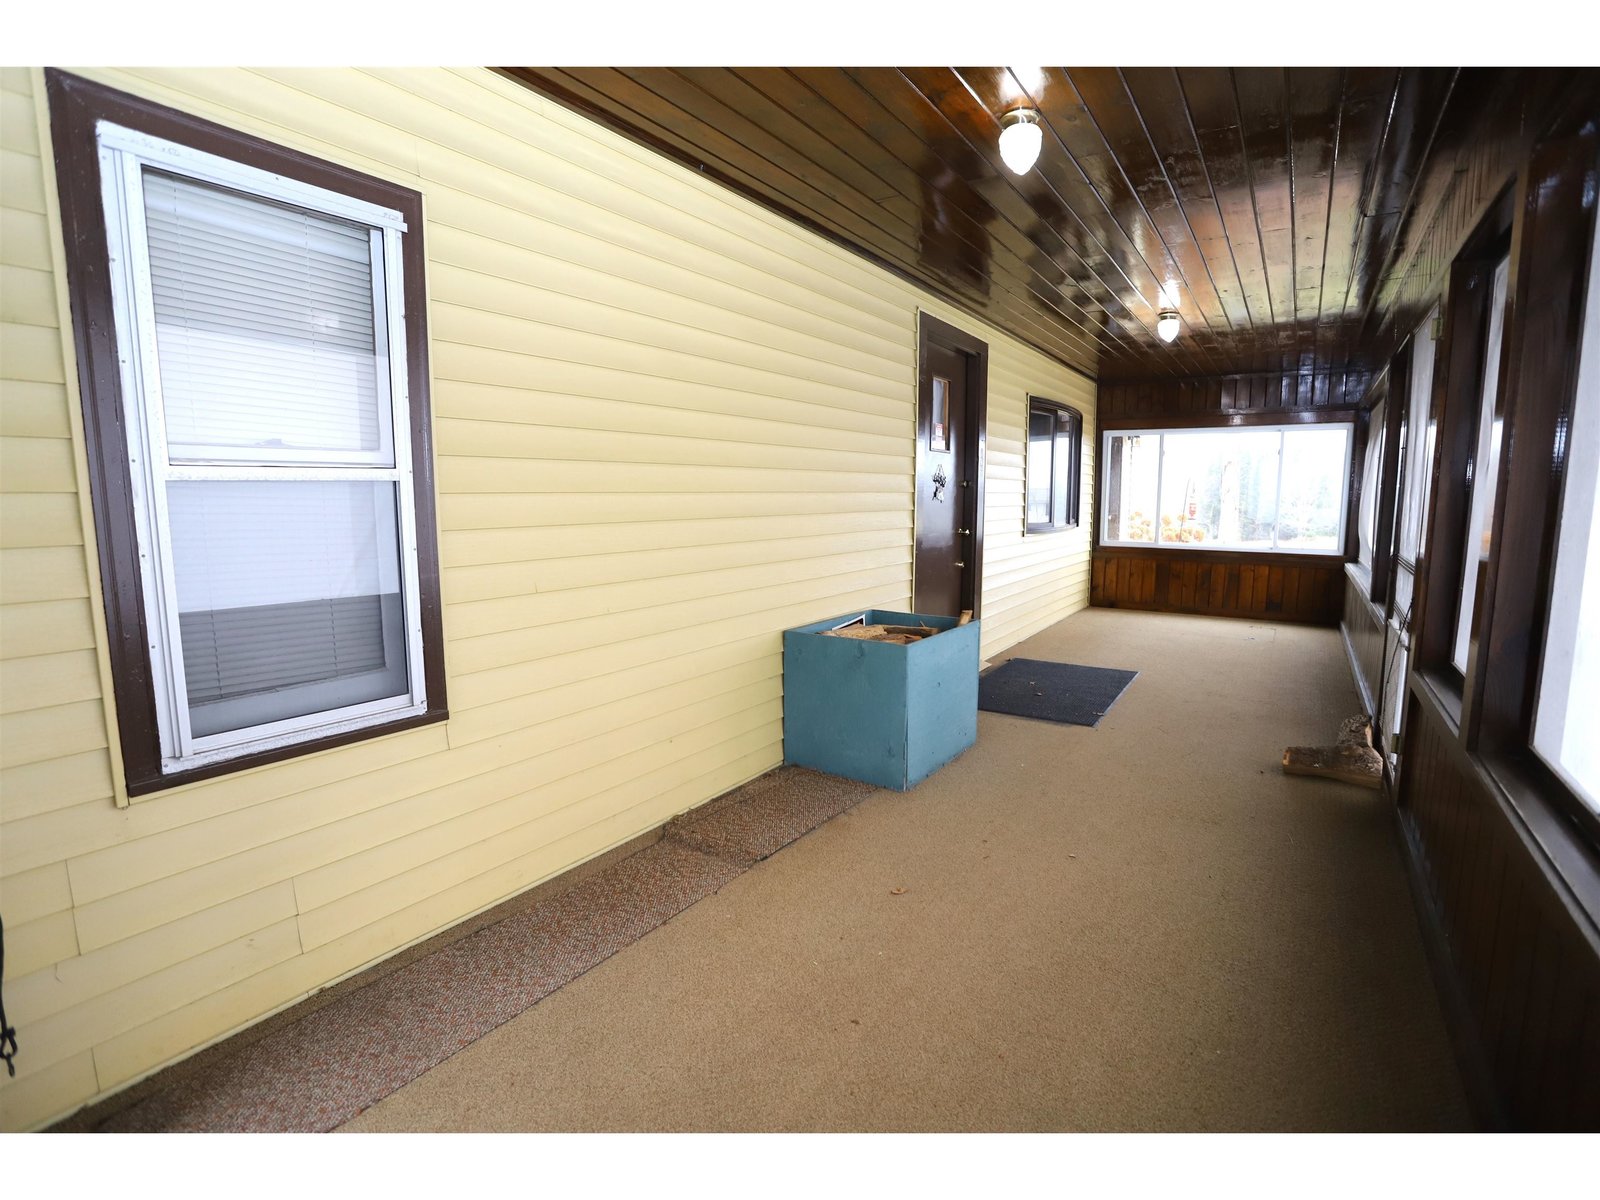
(76,105)
(1458,381)
(1491,707)
(1395,395)
(1056,410)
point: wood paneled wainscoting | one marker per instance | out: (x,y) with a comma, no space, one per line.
(1219,583)
(1521,976)
(1363,628)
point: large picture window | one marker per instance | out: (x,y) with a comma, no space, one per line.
(1271,489)
(257,436)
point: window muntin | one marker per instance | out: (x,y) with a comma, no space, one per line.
(1258,488)
(1055,448)
(1569,680)
(269,448)
(1485,473)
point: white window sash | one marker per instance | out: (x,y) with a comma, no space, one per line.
(123,156)
(224,172)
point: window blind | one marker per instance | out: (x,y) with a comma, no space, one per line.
(265,327)
(288,597)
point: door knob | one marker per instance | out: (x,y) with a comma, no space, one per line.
(964,532)
(962,565)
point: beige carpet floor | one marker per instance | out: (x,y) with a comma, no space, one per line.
(1141,926)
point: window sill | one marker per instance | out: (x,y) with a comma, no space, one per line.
(1033,529)
(139,789)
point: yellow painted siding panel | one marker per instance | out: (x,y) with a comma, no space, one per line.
(41,519)
(27,297)
(668,425)
(47,627)
(28,895)
(32,574)
(30,409)
(41,787)
(44,680)
(37,946)
(28,1101)
(37,464)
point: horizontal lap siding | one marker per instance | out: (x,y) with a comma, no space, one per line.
(667,425)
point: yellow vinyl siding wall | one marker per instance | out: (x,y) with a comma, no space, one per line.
(668,425)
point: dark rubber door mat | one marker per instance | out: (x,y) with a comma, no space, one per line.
(1048,691)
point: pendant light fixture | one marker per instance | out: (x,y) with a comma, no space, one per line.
(1167,325)
(1020,139)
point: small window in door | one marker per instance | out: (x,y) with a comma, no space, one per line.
(939,425)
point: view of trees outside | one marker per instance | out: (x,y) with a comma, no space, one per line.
(1313,489)
(1133,510)
(1222,489)
(1219,489)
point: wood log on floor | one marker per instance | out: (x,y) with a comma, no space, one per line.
(1350,760)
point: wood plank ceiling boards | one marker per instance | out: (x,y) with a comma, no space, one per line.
(1292,216)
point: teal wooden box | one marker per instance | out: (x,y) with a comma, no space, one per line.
(874,711)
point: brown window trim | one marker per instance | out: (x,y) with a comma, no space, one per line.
(1546,297)
(1075,487)
(76,105)
(1458,378)
(1397,389)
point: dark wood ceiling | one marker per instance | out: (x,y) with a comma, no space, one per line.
(1288,214)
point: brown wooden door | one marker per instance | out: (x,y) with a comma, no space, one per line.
(950,403)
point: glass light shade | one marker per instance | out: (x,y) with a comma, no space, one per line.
(1020,142)
(1167,326)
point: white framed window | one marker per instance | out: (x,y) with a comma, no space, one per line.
(261,333)
(1267,488)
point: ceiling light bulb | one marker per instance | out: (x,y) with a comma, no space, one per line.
(1167,326)
(1020,139)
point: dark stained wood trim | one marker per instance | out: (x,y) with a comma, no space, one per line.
(1286,416)
(1254,394)
(1547,288)
(1252,557)
(1352,484)
(1501,875)
(1298,215)
(1388,482)
(1549,275)
(1457,385)
(1222,583)
(932,331)
(75,106)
